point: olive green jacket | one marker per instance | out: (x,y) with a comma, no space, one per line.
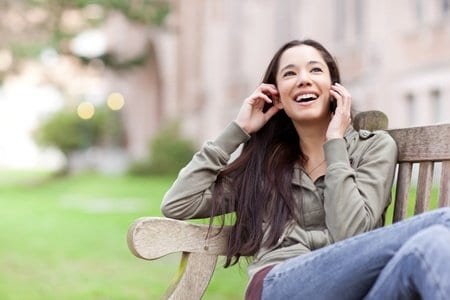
(350,199)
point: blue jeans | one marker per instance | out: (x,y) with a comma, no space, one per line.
(407,260)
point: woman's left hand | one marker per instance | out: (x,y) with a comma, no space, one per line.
(341,118)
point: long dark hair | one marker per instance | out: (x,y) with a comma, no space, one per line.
(259,182)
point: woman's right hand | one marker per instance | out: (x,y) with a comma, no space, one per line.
(251,117)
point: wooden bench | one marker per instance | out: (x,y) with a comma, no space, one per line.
(153,237)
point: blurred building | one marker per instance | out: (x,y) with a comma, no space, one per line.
(394,55)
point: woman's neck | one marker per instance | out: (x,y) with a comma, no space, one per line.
(312,138)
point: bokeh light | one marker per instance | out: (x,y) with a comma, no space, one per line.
(86,110)
(115,101)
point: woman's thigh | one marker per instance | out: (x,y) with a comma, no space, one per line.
(346,269)
(419,270)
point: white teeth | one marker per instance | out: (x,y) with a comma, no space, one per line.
(305,96)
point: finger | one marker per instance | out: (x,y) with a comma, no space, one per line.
(344,97)
(269,88)
(347,97)
(338,97)
(264,97)
(341,89)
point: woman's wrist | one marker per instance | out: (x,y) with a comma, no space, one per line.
(242,126)
(231,137)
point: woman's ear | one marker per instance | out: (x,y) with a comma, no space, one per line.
(277,103)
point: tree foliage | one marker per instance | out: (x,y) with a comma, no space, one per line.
(168,153)
(67,132)
(145,11)
(31,37)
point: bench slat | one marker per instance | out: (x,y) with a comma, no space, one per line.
(444,191)
(426,143)
(196,270)
(402,191)
(424,186)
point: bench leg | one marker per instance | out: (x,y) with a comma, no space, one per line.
(194,274)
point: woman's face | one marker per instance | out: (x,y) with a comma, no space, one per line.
(303,81)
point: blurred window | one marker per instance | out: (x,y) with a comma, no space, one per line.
(437,106)
(340,19)
(411,107)
(358,6)
(445,8)
(418,12)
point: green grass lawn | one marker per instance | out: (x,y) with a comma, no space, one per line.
(412,202)
(66,239)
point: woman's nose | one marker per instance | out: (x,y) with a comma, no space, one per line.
(303,78)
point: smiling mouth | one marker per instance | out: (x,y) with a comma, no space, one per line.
(305,98)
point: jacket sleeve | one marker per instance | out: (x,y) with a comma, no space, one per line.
(355,199)
(190,195)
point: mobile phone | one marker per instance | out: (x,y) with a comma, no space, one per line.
(332,104)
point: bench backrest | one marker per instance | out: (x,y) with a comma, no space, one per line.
(425,146)
(153,237)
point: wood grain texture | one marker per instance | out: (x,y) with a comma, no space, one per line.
(424,185)
(426,143)
(195,277)
(444,186)
(402,191)
(154,237)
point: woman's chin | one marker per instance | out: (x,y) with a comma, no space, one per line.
(310,117)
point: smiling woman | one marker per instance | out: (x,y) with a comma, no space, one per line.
(308,192)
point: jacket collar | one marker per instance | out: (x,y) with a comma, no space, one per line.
(349,134)
(300,178)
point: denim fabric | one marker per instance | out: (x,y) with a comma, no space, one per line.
(419,270)
(400,261)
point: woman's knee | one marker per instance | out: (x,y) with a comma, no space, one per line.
(438,216)
(430,239)
(444,210)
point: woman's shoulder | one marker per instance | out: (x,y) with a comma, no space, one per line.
(364,145)
(363,138)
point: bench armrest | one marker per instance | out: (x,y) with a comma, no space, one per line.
(153,237)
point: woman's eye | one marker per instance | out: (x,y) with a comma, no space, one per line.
(316,70)
(288,73)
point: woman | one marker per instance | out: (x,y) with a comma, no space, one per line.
(308,190)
